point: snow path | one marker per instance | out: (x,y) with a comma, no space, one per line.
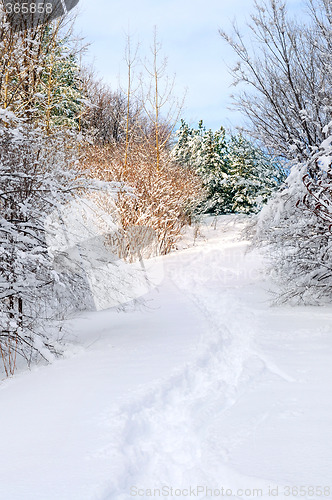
(209,386)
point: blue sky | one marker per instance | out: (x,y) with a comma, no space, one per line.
(188,30)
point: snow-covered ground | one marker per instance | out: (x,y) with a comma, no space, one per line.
(206,391)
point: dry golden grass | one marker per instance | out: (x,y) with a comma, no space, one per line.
(162,199)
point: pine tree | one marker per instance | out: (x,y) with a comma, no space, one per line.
(181,151)
(212,165)
(60,97)
(238,177)
(253,175)
(40,75)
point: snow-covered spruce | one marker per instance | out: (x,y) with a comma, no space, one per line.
(49,88)
(238,176)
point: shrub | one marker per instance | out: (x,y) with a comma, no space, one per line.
(37,175)
(162,199)
(295,227)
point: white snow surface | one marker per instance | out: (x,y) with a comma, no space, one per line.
(206,386)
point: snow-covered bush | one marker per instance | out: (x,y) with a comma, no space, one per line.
(162,200)
(37,175)
(287,66)
(62,245)
(238,177)
(295,227)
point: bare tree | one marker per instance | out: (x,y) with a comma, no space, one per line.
(130,59)
(111,117)
(160,106)
(286,68)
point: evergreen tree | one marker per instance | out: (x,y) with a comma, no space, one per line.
(60,96)
(238,177)
(211,163)
(40,76)
(253,176)
(204,151)
(181,151)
